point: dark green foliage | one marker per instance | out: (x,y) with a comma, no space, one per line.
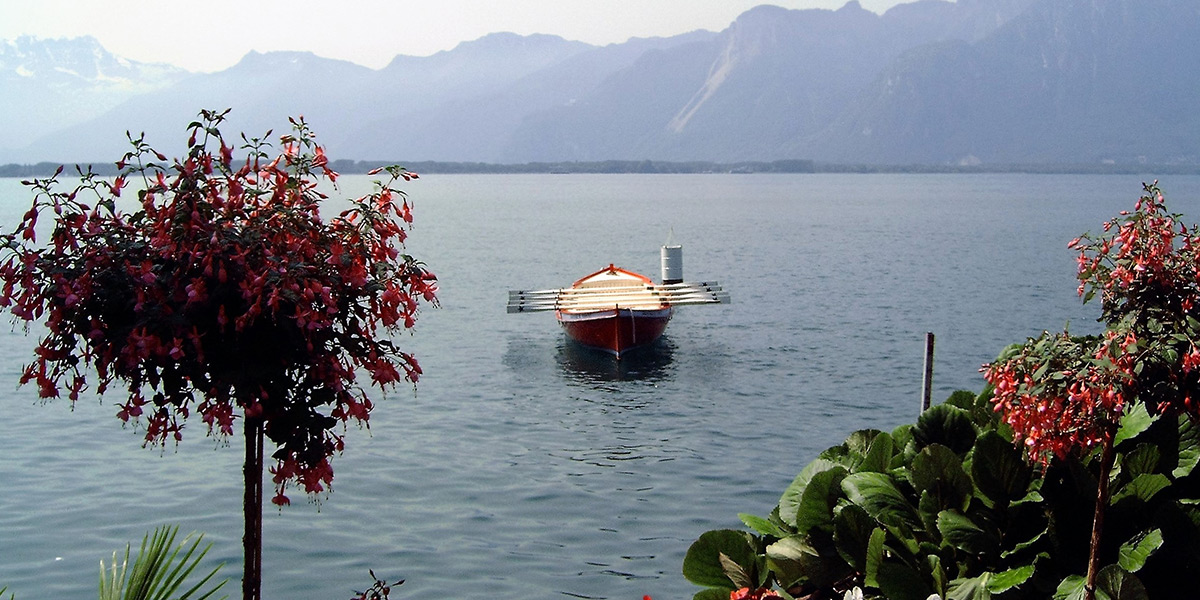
(950,506)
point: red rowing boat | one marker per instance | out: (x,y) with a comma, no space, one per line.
(637,318)
(616,310)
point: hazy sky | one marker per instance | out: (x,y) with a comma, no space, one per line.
(210,35)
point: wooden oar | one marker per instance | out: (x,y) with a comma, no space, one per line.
(632,297)
(517,308)
(616,289)
(643,294)
(625,297)
(602,304)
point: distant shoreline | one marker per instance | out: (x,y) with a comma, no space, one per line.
(356,167)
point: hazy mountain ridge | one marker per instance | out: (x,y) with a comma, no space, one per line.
(348,105)
(933,82)
(51,84)
(478,127)
(772,83)
(1067,80)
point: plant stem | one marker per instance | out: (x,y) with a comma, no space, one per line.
(1107,456)
(252,508)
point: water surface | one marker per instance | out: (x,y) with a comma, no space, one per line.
(522,466)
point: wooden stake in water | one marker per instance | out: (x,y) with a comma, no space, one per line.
(927,381)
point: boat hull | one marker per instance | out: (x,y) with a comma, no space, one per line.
(616,330)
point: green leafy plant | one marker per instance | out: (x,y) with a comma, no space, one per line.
(1066,395)
(160,570)
(226,294)
(949,506)
(1073,475)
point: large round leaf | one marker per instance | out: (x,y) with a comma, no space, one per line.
(961,399)
(970,588)
(979,406)
(852,529)
(960,531)
(877,494)
(947,425)
(789,503)
(1135,552)
(1135,420)
(999,470)
(1142,487)
(1120,584)
(938,471)
(878,457)
(1071,588)
(822,493)
(1141,460)
(703,564)
(859,442)
(1189,447)
(904,446)
(1112,583)
(1007,580)
(794,560)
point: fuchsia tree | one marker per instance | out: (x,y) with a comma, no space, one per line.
(1067,395)
(225,293)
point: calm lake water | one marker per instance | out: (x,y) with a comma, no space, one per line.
(523,467)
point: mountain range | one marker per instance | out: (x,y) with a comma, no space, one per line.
(929,82)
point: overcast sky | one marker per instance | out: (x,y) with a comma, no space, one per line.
(211,35)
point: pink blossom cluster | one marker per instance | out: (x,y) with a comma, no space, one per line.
(1062,394)
(1056,398)
(1147,249)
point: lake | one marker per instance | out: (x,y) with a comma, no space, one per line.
(524,467)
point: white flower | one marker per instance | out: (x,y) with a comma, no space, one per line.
(854,594)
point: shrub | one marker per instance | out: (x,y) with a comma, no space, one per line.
(950,506)
(991,495)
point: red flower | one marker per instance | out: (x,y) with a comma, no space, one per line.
(1063,394)
(757,594)
(226,289)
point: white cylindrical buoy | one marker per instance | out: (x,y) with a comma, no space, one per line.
(672,264)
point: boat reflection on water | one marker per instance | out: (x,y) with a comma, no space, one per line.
(590,365)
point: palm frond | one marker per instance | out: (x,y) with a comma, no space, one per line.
(159,570)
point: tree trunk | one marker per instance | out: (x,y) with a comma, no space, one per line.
(1107,456)
(252,509)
